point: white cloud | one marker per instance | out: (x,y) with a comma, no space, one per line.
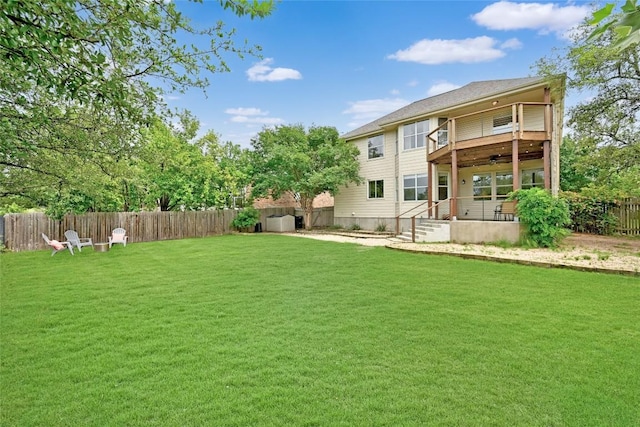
(413,83)
(438,51)
(263,72)
(370,109)
(252,116)
(256,120)
(511,44)
(246,111)
(544,17)
(394,92)
(441,87)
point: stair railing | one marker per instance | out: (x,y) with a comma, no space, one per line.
(406,212)
(430,211)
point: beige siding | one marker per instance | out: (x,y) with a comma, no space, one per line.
(468,128)
(353,200)
(533,118)
(482,125)
(410,162)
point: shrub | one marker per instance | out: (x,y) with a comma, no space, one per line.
(381,227)
(247,217)
(544,216)
(590,214)
(355,227)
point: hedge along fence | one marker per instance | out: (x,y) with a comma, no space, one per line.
(23,231)
(597,216)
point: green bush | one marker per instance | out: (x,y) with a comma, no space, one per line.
(381,227)
(544,216)
(11,208)
(247,217)
(590,213)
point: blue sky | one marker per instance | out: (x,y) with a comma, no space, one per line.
(346,63)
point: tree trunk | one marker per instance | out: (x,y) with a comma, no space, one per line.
(163,202)
(306,203)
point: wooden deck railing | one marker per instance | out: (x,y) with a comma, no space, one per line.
(518,118)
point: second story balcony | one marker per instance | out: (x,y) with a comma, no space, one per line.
(485,137)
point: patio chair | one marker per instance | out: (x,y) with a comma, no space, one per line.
(57,246)
(78,242)
(497,212)
(118,235)
(509,210)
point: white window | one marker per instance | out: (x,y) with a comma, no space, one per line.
(443,133)
(415,187)
(376,189)
(492,186)
(504,184)
(415,135)
(376,146)
(532,178)
(503,123)
(482,186)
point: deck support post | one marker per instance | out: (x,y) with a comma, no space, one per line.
(454,184)
(547,164)
(413,229)
(516,166)
(430,187)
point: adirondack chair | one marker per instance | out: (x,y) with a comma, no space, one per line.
(57,246)
(118,235)
(78,242)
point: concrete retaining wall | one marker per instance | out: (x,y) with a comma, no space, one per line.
(485,231)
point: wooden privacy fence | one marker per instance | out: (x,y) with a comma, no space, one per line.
(322,217)
(628,213)
(22,232)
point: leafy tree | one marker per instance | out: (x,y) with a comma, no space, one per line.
(303,163)
(98,51)
(234,168)
(80,80)
(626,25)
(175,173)
(50,159)
(605,126)
(576,171)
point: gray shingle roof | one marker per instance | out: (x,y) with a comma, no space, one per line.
(472,91)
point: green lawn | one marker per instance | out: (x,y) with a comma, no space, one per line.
(261,329)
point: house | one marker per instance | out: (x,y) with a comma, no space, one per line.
(452,159)
(287,200)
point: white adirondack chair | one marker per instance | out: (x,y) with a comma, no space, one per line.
(118,235)
(57,246)
(78,242)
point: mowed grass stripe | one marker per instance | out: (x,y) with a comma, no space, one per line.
(273,330)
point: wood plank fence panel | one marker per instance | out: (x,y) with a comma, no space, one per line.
(628,213)
(23,231)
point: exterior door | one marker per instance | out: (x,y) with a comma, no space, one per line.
(443,186)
